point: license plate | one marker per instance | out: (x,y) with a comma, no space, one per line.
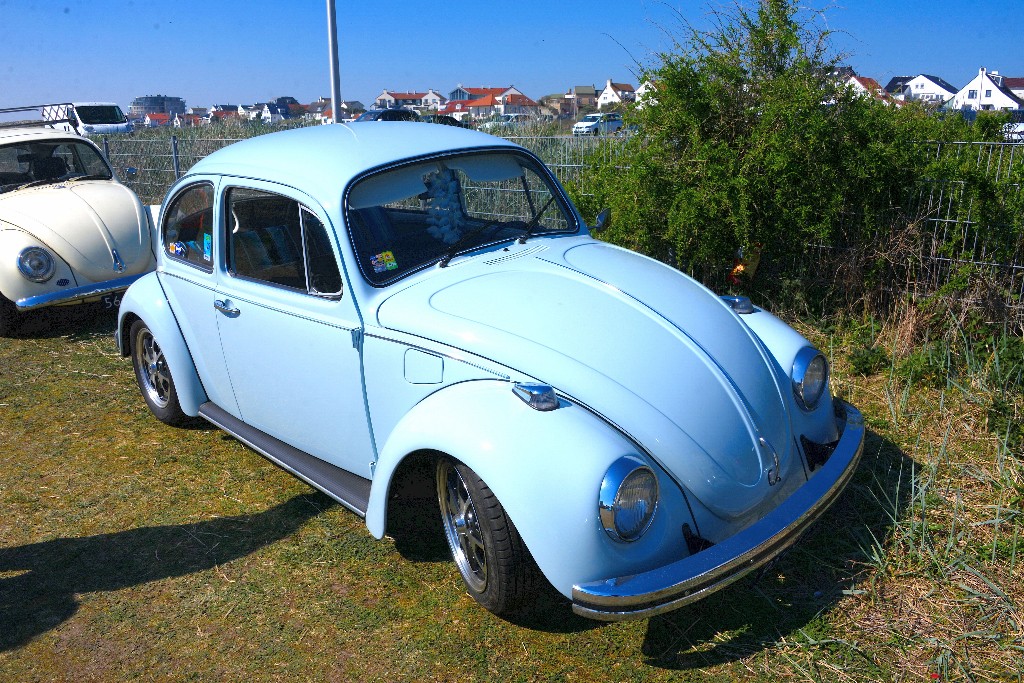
(111,300)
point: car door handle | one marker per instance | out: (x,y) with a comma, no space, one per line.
(225,307)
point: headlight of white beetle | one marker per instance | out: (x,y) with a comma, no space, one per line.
(810,377)
(36,264)
(628,499)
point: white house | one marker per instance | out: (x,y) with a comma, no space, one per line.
(920,88)
(869,87)
(615,94)
(645,94)
(986,91)
(419,101)
(1016,86)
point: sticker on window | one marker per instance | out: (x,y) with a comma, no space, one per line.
(383,261)
(207,247)
(178,249)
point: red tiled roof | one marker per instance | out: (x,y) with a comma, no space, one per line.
(481,92)
(521,100)
(456,106)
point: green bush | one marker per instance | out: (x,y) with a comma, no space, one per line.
(754,144)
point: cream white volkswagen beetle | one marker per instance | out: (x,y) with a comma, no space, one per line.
(69,232)
(351,301)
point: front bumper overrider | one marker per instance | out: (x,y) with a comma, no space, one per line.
(682,582)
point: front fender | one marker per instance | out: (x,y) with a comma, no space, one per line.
(546,470)
(783,343)
(145,299)
(13,284)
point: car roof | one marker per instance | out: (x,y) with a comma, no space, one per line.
(35,133)
(321,160)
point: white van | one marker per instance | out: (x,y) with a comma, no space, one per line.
(87,118)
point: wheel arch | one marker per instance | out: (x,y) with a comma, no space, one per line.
(545,468)
(145,300)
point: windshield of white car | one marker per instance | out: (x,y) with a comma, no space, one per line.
(412,216)
(39,162)
(100,114)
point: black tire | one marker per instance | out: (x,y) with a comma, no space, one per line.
(9,316)
(154,375)
(495,564)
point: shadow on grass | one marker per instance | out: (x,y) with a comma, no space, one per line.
(789,595)
(45,577)
(79,321)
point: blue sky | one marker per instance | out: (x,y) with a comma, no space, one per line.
(246,51)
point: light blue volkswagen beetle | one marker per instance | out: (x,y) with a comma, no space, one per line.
(356,302)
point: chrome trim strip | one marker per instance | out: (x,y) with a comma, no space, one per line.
(84,292)
(684,581)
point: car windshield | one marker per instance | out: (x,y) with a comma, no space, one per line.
(415,215)
(100,114)
(592,117)
(40,162)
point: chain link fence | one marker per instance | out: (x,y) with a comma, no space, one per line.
(953,224)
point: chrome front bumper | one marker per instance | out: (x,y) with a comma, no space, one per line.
(682,582)
(67,296)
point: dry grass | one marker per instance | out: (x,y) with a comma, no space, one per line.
(133,551)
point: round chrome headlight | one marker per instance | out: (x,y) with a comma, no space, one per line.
(810,377)
(628,499)
(36,264)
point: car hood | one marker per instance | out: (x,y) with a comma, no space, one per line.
(84,223)
(647,347)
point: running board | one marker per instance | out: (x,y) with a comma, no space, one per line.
(349,489)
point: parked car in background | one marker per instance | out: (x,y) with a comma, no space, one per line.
(598,124)
(83,118)
(444,120)
(415,301)
(388,115)
(506,121)
(69,231)
(88,118)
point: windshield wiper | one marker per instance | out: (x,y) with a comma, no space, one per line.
(462,241)
(36,183)
(528,228)
(87,176)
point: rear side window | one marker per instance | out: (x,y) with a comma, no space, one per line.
(274,239)
(188,227)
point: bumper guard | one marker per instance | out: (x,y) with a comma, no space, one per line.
(679,583)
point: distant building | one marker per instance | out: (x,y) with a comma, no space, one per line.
(987,91)
(920,88)
(156,120)
(615,94)
(156,104)
(579,98)
(430,100)
(483,103)
(321,109)
(869,87)
(645,94)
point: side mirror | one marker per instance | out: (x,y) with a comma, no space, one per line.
(603,220)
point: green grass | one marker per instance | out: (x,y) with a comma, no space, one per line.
(133,551)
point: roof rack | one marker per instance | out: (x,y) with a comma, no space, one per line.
(51,114)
